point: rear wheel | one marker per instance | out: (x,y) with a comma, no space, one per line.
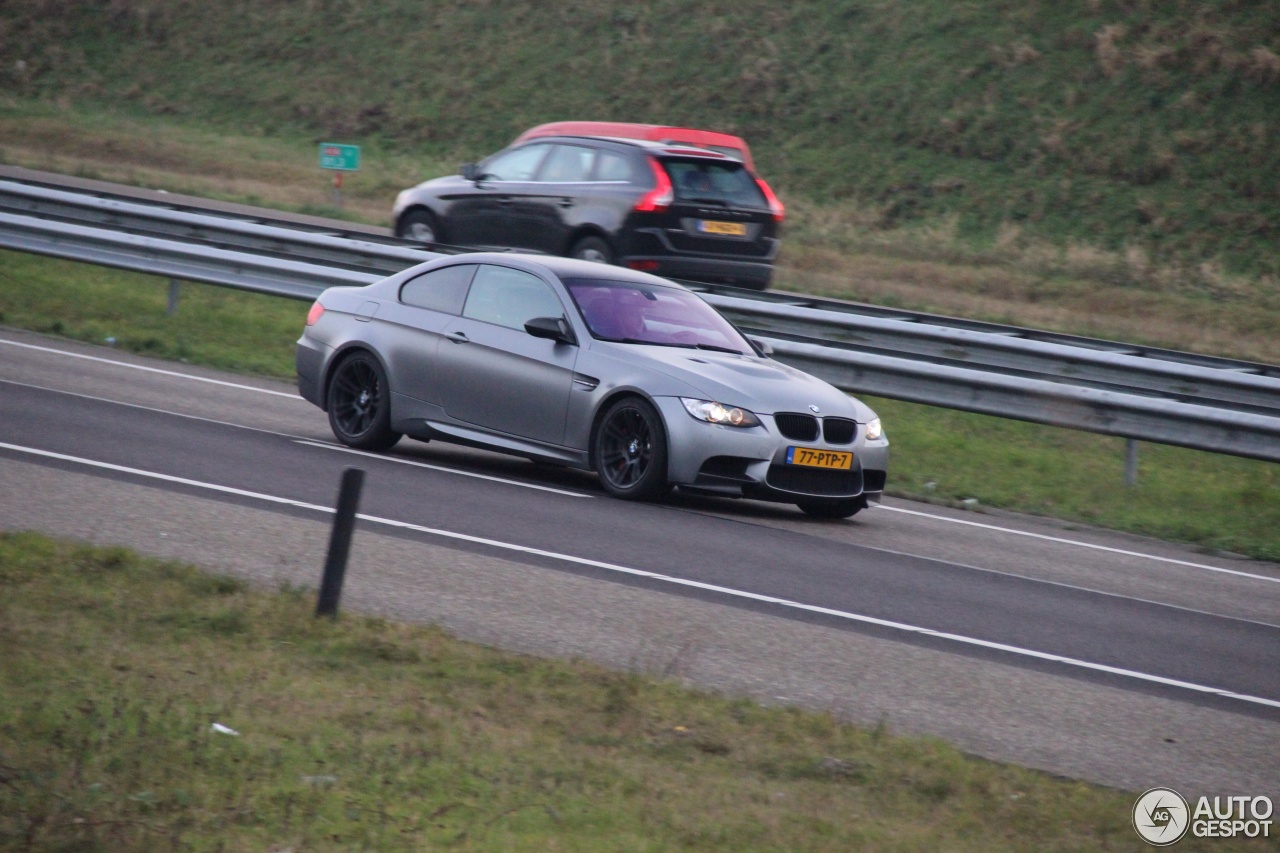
(421,226)
(630,451)
(592,249)
(833,508)
(360,404)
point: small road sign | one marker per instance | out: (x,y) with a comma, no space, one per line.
(345,158)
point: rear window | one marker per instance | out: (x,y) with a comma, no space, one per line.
(714,182)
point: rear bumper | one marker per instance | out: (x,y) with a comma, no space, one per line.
(651,251)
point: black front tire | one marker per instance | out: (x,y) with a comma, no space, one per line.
(359,403)
(421,226)
(845,508)
(629,452)
(593,249)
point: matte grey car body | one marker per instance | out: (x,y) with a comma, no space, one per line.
(444,350)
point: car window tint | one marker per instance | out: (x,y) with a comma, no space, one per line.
(641,313)
(716,181)
(567,164)
(612,167)
(440,290)
(519,164)
(510,297)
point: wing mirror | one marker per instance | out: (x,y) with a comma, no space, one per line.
(761,347)
(470,172)
(552,328)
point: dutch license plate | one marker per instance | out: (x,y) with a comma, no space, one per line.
(729,229)
(807,456)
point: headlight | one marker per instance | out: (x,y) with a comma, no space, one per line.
(717,413)
(874,430)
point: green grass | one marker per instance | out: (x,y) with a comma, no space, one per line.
(1111,123)
(362,734)
(1213,501)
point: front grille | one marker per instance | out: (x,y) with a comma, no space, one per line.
(797,427)
(839,430)
(815,481)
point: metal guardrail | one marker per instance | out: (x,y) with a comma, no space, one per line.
(1219,405)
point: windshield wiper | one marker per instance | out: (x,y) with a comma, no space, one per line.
(718,348)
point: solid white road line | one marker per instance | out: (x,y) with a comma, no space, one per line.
(1078,543)
(447,470)
(692,584)
(175,373)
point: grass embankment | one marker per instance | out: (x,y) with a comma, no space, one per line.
(364,734)
(1143,127)
(1217,502)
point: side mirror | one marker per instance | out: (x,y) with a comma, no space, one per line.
(552,328)
(761,347)
(470,171)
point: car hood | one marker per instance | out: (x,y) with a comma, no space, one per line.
(762,385)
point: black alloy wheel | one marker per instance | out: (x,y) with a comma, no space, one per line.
(840,508)
(360,404)
(630,451)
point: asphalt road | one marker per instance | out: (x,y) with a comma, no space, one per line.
(902,599)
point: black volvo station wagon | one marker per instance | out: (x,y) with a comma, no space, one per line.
(672,210)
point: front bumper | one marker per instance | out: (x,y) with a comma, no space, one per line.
(751,463)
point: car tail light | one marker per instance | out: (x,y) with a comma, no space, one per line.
(316,312)
(658,199)
(643,266)
(775,206)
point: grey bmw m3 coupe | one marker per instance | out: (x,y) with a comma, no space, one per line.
(591,366)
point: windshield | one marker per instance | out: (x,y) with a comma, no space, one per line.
(636,313)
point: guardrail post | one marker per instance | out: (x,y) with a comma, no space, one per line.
(344,523)
(1130,462)
(175,290)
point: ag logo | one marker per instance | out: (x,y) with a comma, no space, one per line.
(1161,816)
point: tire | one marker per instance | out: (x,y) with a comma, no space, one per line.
(593,249)
(421,226)
(359,404)
(834,508)
(629,451)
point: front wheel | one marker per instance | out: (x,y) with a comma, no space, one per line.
(421,226)
(630,451)
(834,508)
(359,404)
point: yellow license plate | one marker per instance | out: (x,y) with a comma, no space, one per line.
(807,456)
(731,229)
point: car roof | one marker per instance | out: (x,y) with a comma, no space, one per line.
(562,267)
(657,149)
(663,134)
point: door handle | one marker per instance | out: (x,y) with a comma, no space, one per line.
(504,200)
(458,337)
(566,202)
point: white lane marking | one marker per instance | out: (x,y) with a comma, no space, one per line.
(724,590)
(1080,544)
(151,369)
(447,470)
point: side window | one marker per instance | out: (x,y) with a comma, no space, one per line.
(440,290)
(612,167)
(516,165)
(568,164)
(510,297)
